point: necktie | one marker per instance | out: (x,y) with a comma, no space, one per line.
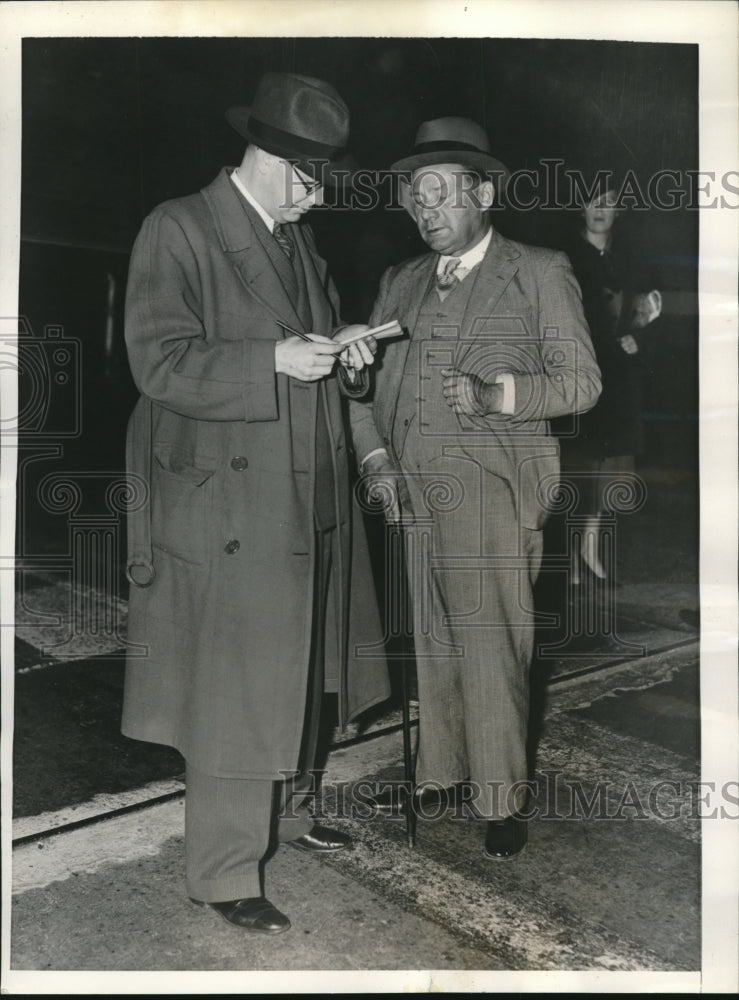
(447,279)
(282,234)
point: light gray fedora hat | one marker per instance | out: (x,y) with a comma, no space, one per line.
(452,140)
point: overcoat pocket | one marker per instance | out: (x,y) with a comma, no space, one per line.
(181,498)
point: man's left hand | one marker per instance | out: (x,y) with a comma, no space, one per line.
(469,394)
(360,354)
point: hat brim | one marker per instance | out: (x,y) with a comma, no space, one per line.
(336,173)
(464,157)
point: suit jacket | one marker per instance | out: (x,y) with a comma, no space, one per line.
(221,635)
(524,316)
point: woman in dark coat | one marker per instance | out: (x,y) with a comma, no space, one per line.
(620,301)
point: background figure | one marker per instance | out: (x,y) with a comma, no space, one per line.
(620,301)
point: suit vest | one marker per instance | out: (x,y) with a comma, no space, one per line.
(422,409)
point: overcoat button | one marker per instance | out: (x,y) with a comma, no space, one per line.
(233,546)
(239,463)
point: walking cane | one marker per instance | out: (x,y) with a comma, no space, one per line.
(396,551)
(410,813)
(403,606)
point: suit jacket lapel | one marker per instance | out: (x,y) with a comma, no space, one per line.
(320,308)
(260,263)
(495,272)
(277,256)
(416,288)
(419,289)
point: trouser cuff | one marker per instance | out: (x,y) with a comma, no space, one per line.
(291,827)
(246,885)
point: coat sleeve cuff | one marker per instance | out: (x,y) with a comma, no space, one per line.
(529,397)
(375,451)
(509,393)
(260,380)
(355,388)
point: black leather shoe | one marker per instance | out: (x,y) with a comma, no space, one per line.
(505,838)
(427,801)
(255,914)
(321,840)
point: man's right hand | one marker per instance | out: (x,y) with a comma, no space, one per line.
(386,486)
(305,360)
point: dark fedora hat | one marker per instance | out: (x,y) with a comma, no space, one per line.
(452,140)
(301,119)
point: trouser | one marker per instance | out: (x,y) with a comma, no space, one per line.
(473,628)
(230,823)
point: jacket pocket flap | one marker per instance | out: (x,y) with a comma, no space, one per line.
(181,465)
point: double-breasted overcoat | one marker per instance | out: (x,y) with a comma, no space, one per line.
(224,543)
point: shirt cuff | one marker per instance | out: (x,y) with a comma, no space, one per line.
(375,451)
(509,393)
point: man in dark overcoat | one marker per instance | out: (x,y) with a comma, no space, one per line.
(457,430)
(241,556)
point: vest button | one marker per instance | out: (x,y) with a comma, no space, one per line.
(233,546)
(239,463)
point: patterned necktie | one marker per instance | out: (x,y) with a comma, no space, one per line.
(282,234)
(447,279)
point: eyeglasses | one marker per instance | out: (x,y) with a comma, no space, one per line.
(434,190)
(309,184)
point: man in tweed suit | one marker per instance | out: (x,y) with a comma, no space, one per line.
(457,434)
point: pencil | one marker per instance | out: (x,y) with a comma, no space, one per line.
(304,336)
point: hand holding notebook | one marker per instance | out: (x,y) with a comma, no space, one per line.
(382,332)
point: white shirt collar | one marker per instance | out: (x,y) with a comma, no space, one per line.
(268,220)
(469,259)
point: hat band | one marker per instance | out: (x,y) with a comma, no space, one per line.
(297,145)
(444,145)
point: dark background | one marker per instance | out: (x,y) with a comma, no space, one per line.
(111,127)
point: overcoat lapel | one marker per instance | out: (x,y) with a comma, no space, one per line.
(260,263)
